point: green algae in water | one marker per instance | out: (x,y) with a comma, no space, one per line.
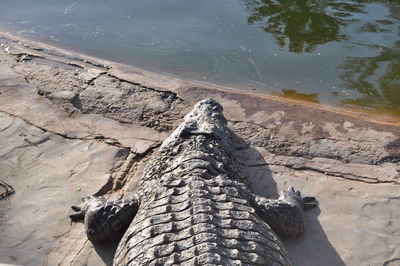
(292,94)
(335,52)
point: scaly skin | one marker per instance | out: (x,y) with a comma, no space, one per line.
(105,220)
(196,206)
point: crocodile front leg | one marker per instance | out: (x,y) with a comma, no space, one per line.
(284,215)
(105,220)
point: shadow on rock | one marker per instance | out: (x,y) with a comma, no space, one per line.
(313,246)
(393,148)
(106,251)
(257,170)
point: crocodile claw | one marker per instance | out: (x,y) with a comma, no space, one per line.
(78,215)
(305,202)
(309,202)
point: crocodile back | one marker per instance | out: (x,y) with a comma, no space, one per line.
(195,204)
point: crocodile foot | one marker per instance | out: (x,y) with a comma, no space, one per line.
(304,202)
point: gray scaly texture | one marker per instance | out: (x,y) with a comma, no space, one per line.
(105,220)
(196,206)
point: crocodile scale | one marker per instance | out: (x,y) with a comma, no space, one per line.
(196,208)
(105,220)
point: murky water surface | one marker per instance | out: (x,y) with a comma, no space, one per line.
(336,52)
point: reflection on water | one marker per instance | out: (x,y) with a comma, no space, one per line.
(344,51)
(302,24)
(292,94)
(376,78)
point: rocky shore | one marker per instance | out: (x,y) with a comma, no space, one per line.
(72,126)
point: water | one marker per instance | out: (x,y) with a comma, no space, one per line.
(343,52)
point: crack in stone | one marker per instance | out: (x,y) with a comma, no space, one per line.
(26,57)
(119,177)
(151,117)
(394,158)
(7,189)
(175,95)
(356,178)
(249,122)
(100,138)
(389,262)
(92,80)
(53,53)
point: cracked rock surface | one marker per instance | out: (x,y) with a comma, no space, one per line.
(47,171)
(71,127)
(96,92)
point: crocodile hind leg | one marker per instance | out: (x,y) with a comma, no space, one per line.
(105,220)
(284,215)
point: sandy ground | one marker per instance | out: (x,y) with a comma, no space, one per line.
(73,126)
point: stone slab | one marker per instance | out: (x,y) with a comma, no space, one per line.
(48,173)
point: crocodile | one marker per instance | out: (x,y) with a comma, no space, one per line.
(194,205)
